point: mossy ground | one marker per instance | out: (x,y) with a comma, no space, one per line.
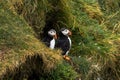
(95,39)
(19,48)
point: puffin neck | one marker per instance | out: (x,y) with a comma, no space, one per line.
(50,37)
(63,36)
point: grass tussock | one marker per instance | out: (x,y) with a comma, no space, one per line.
(104,69)
(94,11)
(94,42)
(39,14)
(20,51)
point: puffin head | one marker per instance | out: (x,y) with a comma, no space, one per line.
(52,33)
(66,32)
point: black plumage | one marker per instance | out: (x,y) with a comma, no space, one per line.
(64,41)
(49,39)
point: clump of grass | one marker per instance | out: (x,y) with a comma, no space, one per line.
(109,6)
(26,56)
(112,22)
(34,12)
(58,16)
(43,15)
(20,52)
(94,12)
(105,68)
(62,71)
(93,40)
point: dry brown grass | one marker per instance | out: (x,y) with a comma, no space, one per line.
(14,59)
(20,51)
(94,11)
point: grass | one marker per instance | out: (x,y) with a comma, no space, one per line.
(39,14)
(95,39)
(22,54)
(20,49)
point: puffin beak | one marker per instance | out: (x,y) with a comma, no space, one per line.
(69,33)
(55,36)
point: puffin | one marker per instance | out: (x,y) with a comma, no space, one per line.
(50,39)
(64,41)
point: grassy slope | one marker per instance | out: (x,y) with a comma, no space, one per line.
(17,43)
(22,55)
(96,44)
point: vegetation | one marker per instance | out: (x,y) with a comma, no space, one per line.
(95,25)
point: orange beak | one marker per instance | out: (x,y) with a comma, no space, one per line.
(55,36)
(70,33)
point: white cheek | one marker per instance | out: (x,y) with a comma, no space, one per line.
(51,33)
(65,32)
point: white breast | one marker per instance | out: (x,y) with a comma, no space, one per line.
(70,45)
(52,44)
(70,41)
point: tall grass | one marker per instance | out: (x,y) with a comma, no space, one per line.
(93,41)
(95,38)
(43,15)
(19,49)
(22,55)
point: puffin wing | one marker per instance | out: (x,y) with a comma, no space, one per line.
(66,47)
(63,45)
(46,42)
